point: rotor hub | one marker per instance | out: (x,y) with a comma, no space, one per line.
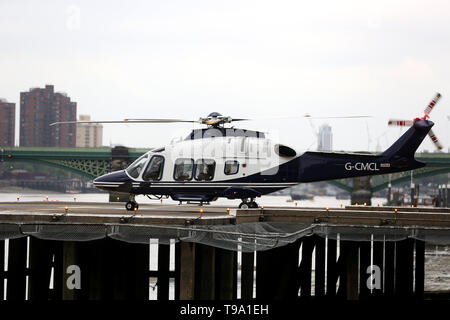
(215,119)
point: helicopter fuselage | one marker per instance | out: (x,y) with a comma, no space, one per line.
(245,165)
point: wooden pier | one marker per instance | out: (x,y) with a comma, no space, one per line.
(91,251)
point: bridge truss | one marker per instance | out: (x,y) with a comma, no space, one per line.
(436,163)
(87,162)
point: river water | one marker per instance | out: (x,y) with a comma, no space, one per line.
(437,258)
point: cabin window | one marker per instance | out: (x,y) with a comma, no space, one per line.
(134,170)
(204,169)
(183,169)
(231,167)
(154,169)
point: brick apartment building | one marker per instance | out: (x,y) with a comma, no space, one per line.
(7,123)
(41,107)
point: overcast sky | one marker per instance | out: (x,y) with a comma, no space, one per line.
(185,59)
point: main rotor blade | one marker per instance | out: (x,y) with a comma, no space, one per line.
(435,140)
(304,116)
(212,121)
(160,120)
(125,121)
(432,104)
(82,121)
(335,117)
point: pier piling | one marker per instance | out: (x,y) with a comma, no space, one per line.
(247,275)
(17,259)
(364,264)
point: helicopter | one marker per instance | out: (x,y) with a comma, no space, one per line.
(220,161)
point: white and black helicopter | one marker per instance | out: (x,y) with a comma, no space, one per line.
(219,161)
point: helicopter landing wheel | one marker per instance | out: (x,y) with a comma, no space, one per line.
(245,204)
(253,205)
(130,205)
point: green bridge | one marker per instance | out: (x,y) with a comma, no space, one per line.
(436,163)
(87,162)
(93,162)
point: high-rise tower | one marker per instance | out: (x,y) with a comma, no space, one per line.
(41,107)
(7,123)
(325,138)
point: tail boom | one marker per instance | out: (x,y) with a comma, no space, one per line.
(320,166)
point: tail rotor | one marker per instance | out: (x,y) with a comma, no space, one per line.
(427,111)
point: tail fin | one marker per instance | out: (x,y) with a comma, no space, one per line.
(407,144)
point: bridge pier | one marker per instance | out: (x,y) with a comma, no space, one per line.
(120,159)
(445,195)
(361,193)
(448,196)
(389,195)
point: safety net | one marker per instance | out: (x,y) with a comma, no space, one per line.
(252,236)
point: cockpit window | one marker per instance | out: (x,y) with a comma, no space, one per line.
(154,169)
(137,166)
(183,169)
(204,169)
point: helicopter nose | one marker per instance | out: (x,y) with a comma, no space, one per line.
(112,180)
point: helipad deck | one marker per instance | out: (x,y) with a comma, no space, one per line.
(207,238)
(107,213)
(92,212)
(225,227)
